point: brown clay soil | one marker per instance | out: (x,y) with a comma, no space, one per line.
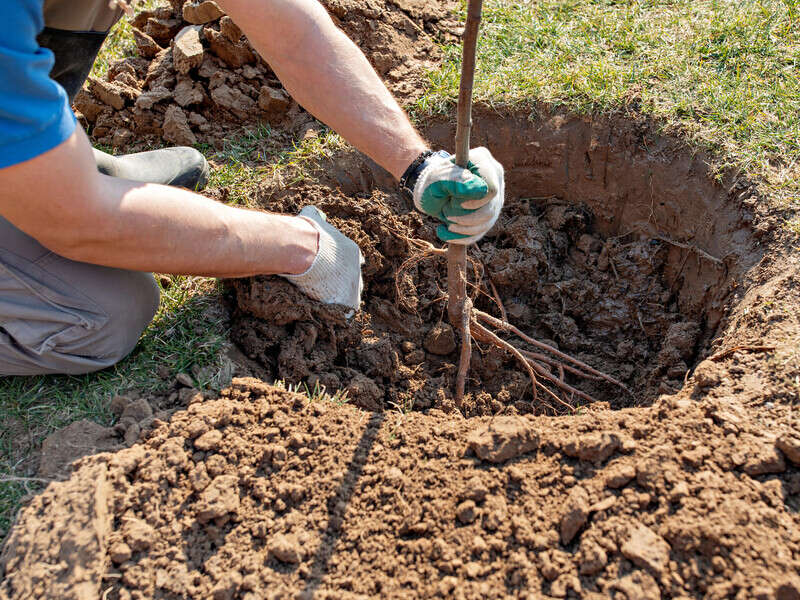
(616,246)
(197,79)
(263,494)
(400,351)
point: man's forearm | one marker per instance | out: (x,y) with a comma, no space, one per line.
(329,76)
(149,227)
(60,199)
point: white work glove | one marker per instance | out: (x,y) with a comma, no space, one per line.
(467,201)
(335,275)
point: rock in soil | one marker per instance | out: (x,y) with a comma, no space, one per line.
(176,127)
(187,50)
(576,515)
(646,549)
(305,496)
(200,13)
(441,339)
(789,444)
(197,40)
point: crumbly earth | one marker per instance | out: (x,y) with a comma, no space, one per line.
(615,245)
(263,494)
(197,79)
(400,351)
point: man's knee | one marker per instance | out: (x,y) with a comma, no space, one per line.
(63,316)
(131,306)
(101,327)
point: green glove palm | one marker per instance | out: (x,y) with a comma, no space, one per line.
(443,197)
(467,201)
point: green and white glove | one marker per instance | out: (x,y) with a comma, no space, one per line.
(468,201)
(335,275)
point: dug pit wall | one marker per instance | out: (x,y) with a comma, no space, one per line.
(635,183)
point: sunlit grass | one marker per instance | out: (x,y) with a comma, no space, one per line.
(119,43)
(723,74)
(260,154)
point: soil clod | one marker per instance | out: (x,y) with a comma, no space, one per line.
(503,438)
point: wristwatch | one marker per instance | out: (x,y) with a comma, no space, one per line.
(412,173)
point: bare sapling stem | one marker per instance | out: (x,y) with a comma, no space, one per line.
(458,309)
(472,323)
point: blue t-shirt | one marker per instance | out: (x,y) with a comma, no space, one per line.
(34,112)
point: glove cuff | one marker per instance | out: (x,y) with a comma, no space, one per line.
(409,179)
(318,275)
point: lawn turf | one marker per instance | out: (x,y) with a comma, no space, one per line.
(724,75)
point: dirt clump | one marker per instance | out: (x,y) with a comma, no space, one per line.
(302,499)
(75,440)
(197,79)
(543,263)
(135,415)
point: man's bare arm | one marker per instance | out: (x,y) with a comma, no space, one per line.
(329,76)
(61,200)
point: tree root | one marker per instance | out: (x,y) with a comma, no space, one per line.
(588,371)
(539,365)
(535,363)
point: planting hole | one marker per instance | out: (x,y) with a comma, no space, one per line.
(615,246)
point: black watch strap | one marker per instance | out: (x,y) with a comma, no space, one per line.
(411,174)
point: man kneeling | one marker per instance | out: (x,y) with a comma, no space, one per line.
(80,231)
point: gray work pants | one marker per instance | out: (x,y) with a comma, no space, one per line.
(62,316)
(59,315)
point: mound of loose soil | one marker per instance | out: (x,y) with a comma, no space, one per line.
(197,78)
(262,494)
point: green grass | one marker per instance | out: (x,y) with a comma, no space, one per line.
(318,393)
(119,43)
(261,153)
(721,73)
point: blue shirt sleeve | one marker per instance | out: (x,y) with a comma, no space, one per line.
(34,111)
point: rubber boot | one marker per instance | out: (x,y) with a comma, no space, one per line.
(180,166)
(75,53)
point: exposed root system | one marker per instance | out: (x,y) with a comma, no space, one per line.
(534,363)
